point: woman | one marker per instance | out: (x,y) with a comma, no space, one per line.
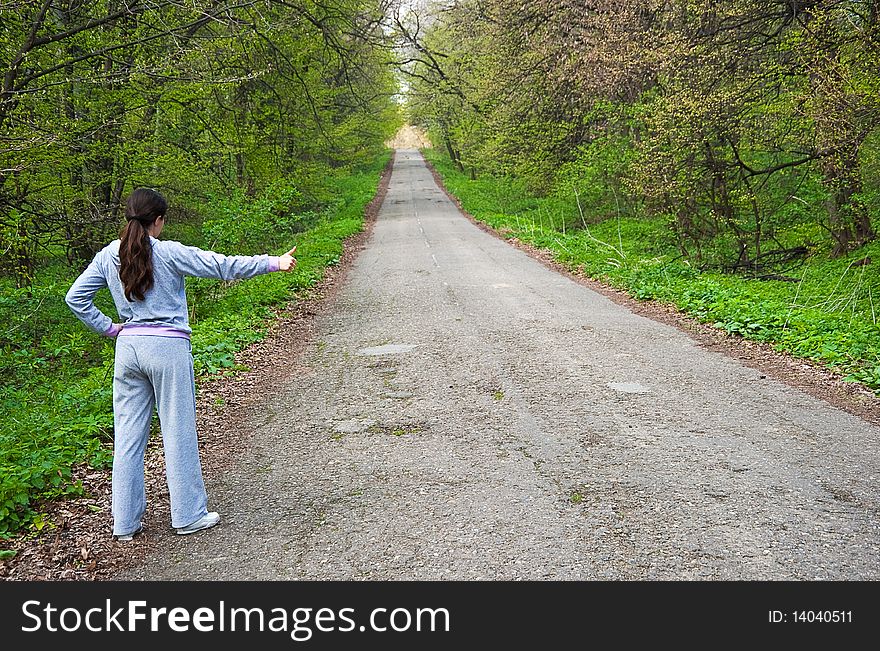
(153,365)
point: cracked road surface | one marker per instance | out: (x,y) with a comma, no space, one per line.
(466,413)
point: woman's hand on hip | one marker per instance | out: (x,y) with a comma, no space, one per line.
(287,262)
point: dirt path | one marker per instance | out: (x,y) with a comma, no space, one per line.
(463,412)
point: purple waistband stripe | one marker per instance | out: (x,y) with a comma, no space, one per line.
(156,331)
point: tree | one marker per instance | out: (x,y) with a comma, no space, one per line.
(99,97)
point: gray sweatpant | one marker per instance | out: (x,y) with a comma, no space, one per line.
(152,371)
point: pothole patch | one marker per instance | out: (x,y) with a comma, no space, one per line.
(398,395)
(628,387)
(397,429)
(353,426)
(387,349)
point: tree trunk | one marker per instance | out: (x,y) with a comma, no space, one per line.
(453,154)
(848,219)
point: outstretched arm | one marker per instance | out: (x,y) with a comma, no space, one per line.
(193,261)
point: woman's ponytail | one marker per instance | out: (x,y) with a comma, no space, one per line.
(142,208)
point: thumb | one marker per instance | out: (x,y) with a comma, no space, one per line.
(291,251)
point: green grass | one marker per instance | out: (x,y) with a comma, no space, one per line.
(55,375)
(829,315)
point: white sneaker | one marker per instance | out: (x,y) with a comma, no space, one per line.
(128,537)
(206,521)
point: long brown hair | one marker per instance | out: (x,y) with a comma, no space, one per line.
(142,208)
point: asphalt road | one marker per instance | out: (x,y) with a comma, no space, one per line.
(466,413)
